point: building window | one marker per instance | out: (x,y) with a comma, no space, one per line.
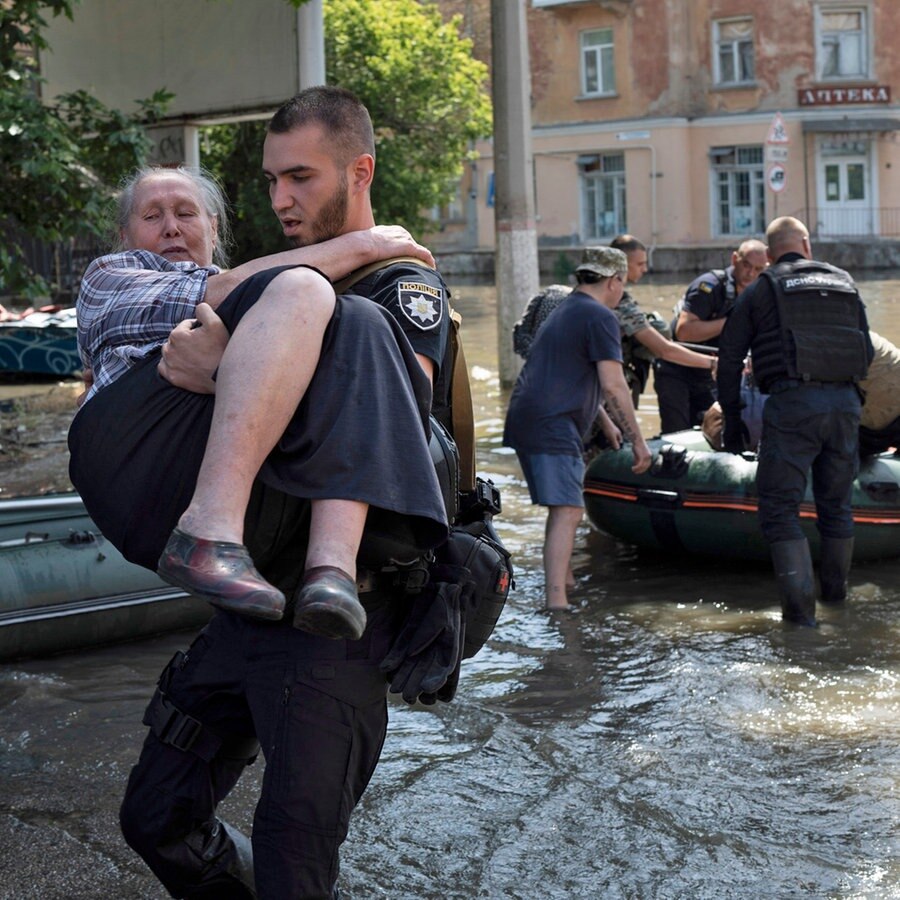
(842,43)
(733,59)
(451,210)
(738,178)
(598,74)
(603,195)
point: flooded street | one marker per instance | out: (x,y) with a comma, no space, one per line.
(668,739)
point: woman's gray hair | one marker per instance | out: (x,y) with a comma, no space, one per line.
(211,195)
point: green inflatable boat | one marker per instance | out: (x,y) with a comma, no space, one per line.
(63,586)
(699,501)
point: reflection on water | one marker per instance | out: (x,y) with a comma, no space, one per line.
(668,739)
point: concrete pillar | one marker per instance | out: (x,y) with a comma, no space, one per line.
(192,146)
(516,263)
(174,145)
(310,45)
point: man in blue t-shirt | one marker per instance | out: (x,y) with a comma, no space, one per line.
(573,368)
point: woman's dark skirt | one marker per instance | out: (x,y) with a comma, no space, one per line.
(360,433)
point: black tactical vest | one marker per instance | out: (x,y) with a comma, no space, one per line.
(818,312)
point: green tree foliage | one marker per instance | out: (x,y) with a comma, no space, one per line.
(59,162)
(428,101)
(425,91)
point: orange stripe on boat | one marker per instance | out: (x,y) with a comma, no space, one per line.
(719,502)
(629,494)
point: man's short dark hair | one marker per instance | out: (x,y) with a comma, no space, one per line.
(627,243)
(339,111)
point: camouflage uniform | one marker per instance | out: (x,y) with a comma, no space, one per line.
(635,356)
(539,307)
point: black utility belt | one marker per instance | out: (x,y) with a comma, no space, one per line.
(409,577)
(368,581)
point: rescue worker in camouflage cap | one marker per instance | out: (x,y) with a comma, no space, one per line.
(603,261)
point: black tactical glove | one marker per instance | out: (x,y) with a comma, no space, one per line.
(448,691)
(423,663)
(733,434)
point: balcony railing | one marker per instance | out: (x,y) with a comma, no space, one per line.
(850,222)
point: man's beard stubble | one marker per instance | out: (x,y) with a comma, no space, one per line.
(332,217)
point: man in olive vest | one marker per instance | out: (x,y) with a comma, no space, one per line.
(806,328)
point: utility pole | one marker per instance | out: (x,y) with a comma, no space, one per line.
(516,257)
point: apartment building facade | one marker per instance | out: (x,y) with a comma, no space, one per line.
(692,124)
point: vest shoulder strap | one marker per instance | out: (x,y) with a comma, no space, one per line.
(342,285)
(462,411)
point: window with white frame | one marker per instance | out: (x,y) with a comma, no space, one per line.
(738,183)
(842,42)
(598,75)
(603,195)
(733,58)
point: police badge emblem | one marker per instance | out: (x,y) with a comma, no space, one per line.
(421,303)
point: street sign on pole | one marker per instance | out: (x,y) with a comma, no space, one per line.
(775,178)
(777,131)
(777,142)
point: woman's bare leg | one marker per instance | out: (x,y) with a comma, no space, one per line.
(335,533)
(265,371)
(326,602)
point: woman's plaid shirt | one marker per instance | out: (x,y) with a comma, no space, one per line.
(128,304)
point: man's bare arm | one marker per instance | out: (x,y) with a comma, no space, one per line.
(621,409)
(192,355)
(335,258)
(609,428)
(693,330)
(672,352)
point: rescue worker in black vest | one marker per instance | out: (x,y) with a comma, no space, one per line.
(805,326)
(685,394)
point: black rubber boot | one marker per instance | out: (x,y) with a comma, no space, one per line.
(223,863)
(242,865)
(796,584)
(834,568)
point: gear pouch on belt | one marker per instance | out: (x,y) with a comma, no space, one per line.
(477,547)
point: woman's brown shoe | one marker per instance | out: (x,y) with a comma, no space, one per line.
(220,572)
(327,604)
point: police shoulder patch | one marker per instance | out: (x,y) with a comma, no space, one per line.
(705,286)
(421,303)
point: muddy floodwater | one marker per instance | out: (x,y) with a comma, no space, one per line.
(671,738)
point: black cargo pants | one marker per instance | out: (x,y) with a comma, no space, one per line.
(317,707)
